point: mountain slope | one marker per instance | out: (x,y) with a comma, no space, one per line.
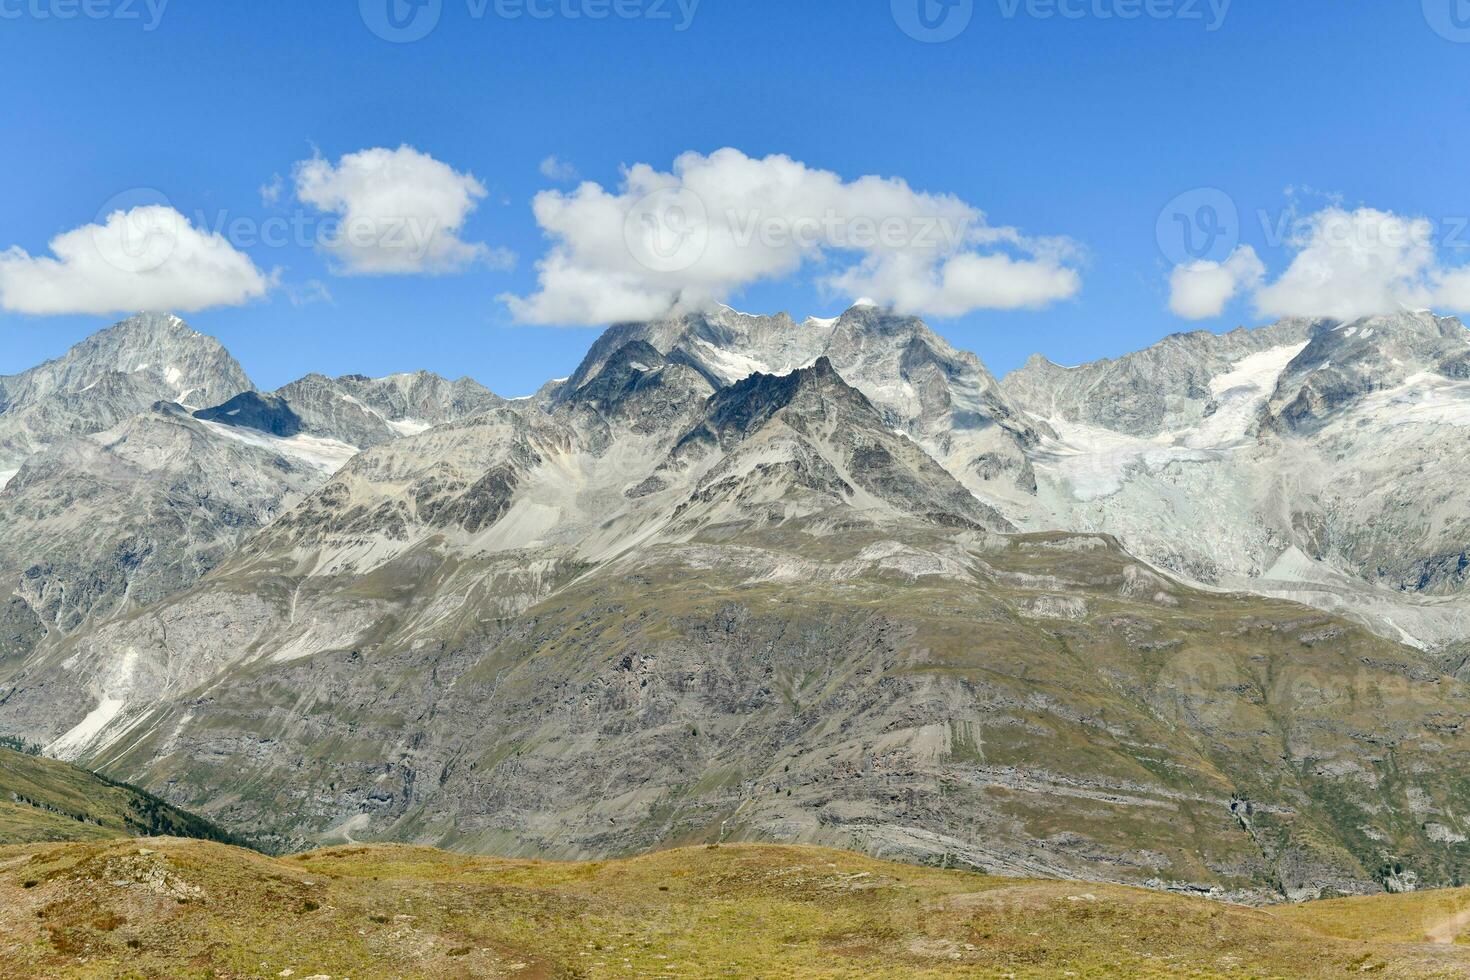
(43,800)
(1038,706)
(98,524)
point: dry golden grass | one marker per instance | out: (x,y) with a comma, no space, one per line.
(174,908)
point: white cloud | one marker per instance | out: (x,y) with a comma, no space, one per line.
(713,224)
(1354,263)
(1202,289)
(401,212)
(557,169)
(1344,265)
(147,258)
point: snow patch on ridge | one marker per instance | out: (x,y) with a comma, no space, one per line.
(6,476)
(327,455)
(1424,399)
(729,365)
(1094,461)
(409,427)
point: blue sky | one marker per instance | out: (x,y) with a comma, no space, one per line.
(1082,127)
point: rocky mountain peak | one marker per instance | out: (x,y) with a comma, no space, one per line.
(1161,388)
(110,376)
(1346,362)
(639,387)
(195,368)
(748,403)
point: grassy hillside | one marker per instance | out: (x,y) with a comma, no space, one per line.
(45,800)
(177,908)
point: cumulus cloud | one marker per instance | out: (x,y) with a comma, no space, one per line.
(399,212)
(1203,289)
(146,258)
(691,236)
(1345,264)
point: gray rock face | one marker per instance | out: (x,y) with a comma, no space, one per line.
(1165,387)
(367,412)
(638,388)
(199,369)
(944,399)
(98,524)
(1347,362)
(111,376)
(810,431)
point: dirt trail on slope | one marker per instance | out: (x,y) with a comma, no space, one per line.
(1446,931)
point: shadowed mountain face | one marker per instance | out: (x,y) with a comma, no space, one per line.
(251,410)
(740,578)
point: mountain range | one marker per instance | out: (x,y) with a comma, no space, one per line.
(1192,618)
